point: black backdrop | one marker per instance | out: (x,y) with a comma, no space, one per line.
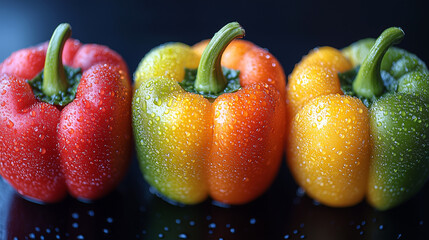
(289,29)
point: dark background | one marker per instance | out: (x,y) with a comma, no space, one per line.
(289,29)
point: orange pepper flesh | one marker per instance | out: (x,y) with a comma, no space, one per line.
(248,125)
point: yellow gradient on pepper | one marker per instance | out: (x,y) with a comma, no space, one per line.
(168,60)
(328,149)
(315,75)
(173,136)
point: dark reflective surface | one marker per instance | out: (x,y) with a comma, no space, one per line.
(132,212)
(289,29)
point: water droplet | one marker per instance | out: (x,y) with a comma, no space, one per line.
(10,124)
(91,213)
(42,151)
(183,236)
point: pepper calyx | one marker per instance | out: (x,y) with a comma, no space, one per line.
(347,78)
(56,84)
(60,98)
(231,76)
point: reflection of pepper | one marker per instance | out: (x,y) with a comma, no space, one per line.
(339,150)
(188,146)
(79,141)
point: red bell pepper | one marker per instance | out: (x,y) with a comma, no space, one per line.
(64,131)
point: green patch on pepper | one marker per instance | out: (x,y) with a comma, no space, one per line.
(231,76)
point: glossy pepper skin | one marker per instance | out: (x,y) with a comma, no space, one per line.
(190,146)
(83,147)
(340,149)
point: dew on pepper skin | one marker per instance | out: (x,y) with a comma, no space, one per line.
(158,102)
(334,159)
(10,124)
(42,151)
(176,130)
(398,152)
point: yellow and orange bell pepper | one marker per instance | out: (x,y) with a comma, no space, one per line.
(218,136)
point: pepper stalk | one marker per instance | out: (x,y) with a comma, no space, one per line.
(55,79)
(368,82)
(210,78)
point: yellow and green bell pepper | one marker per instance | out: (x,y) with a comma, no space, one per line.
(359,123)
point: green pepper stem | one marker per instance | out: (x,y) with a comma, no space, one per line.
(210,78)
(54,75)
(368,82)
